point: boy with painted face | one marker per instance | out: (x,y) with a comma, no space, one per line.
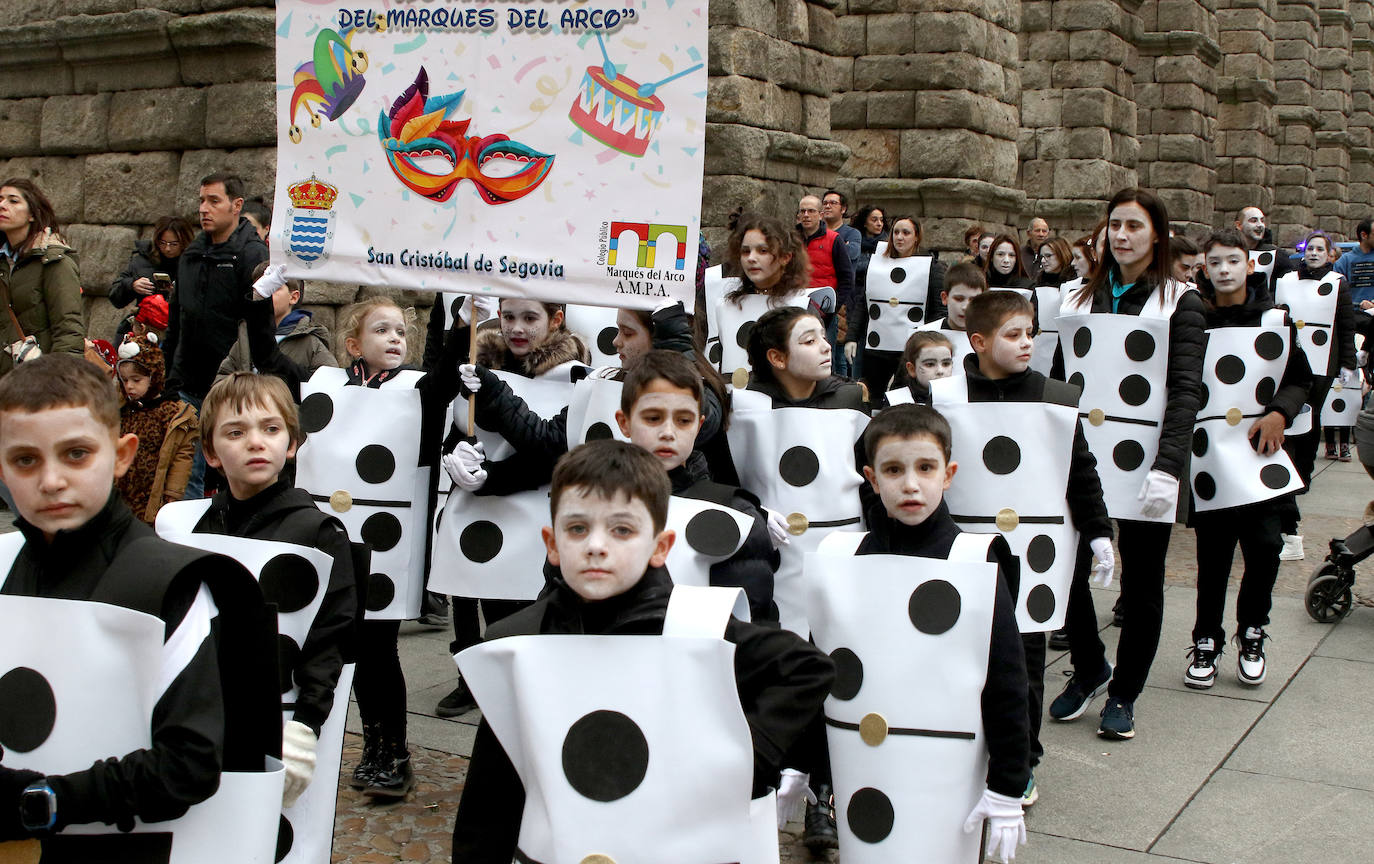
(928,356)
(609,505)
(660,411)
(999,328)
(1235,301)
(61,453)
(908,449)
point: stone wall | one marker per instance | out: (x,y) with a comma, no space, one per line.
(953,110)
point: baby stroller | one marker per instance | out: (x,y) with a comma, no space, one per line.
(1330,595)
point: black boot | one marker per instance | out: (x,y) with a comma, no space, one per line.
(394,775)
(460,701)
(369,763)
(820,833)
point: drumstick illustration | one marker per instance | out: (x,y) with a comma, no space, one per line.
(607,66)
(647,90)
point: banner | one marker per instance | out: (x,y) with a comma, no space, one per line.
(548,149)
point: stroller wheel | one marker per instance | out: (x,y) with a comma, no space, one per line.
(1329,597)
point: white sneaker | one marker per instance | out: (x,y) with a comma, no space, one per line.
(1250,662)
(1292,547)
(1201,673)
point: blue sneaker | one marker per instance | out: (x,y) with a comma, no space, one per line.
(1118,719)
(1032,794)
(1076,696)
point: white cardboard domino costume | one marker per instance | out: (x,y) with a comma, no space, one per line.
(1342,406)
(1264,259)
(294,579)
(487,546)
(652,763)
(1048,299)
(591,409)
(1312,306)
(896,292)
(360,462)
(715,288)
(596,325)
(909,637)
(1121,363)
(798,461)
(1241,372)
(900,396)
(958,338)
(707,533)
(737,317)
(1019,492)
(87,676)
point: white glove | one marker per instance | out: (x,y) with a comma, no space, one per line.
(850,350)
(484,306)
(1006,823)
(1106,560)
(464,466)
(272,278)
(1158,494)
(1349,377)
(777,528)
(467,373)
(794,788)
(298,755)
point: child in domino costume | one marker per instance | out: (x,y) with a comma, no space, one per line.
(910,641)
(897,294)
(736,318)
(1048,299)
(94,699)
(597,327)
(959,338)
(294,579)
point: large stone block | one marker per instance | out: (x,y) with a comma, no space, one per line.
(735,99)
(240,115)
(1082,178)
(734,149)
(330,293)
(849,110)
(1180,175)
(1091,143)
(1049,45)
(792,21)
(1041,108)
(820,27)
(893,110)
(1182,148)
(257,167)
(104,251)
(1092,15)
(891,34)
(1184,68)
(737,51)
(817,73)
(1187,205)
(928,72)
(1037,178)
(722,193)
(121,50)
(758,15)
(76,124)
(851,35)
(1035,16)
(958,153)
(21,122)
(1070,74)
(58,177)
(942,31)
(1098,45)
(946,109)
(171,119)
(224,47)
(1184,15)
(130,189)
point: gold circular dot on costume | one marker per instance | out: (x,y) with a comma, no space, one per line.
(598,858)
(797,523)
(341,501)
(21,852)
(873,729)
(894,302)
(1097,416)
(1299,323)
(740,378)
(1337,387)
(1233,417)
(1007,520)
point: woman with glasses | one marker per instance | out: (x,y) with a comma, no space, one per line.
(152,258)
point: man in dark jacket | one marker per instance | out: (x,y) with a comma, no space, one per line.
(214,284)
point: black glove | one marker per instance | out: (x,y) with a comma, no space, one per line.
(13,782)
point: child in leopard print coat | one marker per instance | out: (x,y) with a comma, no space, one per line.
(166,427)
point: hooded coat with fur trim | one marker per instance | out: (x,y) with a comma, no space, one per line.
(559,347)
(167,429)
(44,287)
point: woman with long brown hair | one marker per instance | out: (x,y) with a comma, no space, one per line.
(39,278)
(151,258)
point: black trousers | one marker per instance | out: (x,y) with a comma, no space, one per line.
(1143,547)
(467,626)
(1302,449)
(1256,528)
(1035,646)
(378,682)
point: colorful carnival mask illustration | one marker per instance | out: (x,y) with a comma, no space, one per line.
(328,85)
(419,135)
(616,110)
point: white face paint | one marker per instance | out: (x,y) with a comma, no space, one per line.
(910,475)
(603,546)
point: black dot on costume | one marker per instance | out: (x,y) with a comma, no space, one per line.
(1001,455)
(1203,396)
(1200,442)
(1140,345)
(28,709)
(1269,345)
(898,275)
(874,339)
(455,311)
(1076,379)
(1128,454)
(605,340)
(1134,390)
(1264,390)
(1205,486)
(915,314)
(286,837)
(875,311)
(1040,553)
(481,541)
(1319,338)
(1266,258)
(375,464)
(713,533)
(381,531)
(1082,341)
(714,352)
(849,674)
(316,411)
(934,607)
(1230,369)
(289,581)
(1275,476)
(1338,405)
(288,656)
(870,815)
(1325,289)
(742,334)
(1040,604)
(380,592)
(599,431)
(799,465)
(605,756)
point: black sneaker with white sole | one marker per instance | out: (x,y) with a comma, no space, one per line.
(1201,673)
(1077,695)
(1250,660)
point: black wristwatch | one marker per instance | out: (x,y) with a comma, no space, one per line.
(38,807)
